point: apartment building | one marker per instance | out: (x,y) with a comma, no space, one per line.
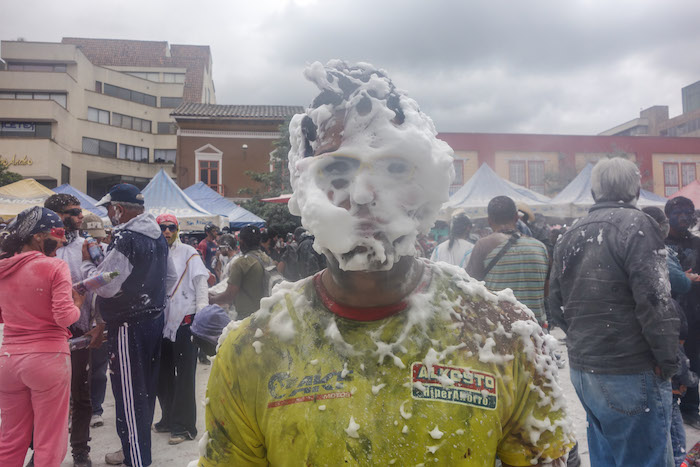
(95,112)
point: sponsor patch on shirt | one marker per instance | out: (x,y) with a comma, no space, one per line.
(454,385)
(286,389)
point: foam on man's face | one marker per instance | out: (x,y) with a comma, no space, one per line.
(372,185)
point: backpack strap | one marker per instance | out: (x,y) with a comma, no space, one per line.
(511,241)
(187,265)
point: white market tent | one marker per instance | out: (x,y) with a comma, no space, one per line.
(18,196)
(485,184)
(238,217)
(162,195)
(576,198)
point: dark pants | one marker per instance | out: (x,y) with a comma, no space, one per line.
(99,362)
(691,399)
(81,411)
(134,359)
(176,383)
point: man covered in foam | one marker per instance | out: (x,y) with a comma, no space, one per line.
(353,164)
(383,358)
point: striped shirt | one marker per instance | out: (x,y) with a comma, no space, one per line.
(523,269)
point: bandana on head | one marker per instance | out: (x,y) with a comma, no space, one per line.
(167,218)
(34,220)
(170,218)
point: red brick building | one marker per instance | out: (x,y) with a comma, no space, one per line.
(545,163)
(218,144)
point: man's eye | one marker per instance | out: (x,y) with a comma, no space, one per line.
(397,168)
(338,167)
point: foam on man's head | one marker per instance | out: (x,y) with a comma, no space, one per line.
(360,113)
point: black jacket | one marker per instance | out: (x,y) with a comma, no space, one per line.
(609,291)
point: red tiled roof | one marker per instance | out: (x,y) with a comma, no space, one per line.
(118,52)
(258,112)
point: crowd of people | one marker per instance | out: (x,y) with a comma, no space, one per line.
(370,353)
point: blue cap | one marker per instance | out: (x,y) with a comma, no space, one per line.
(122,192)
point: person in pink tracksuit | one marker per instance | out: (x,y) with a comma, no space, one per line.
(36,305)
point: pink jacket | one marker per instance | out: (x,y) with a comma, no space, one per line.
(36,304)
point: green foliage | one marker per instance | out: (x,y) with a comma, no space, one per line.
(7,177)
(274,183)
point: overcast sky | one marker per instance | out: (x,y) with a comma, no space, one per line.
(520,66)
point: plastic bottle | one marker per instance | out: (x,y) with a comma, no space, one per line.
(95,282)
(96,254)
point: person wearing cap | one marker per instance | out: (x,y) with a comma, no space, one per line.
(68,209)
(132,307)
(383,358)
(245,286)
(457,248)
(178,360)
(99,356)
(37,306)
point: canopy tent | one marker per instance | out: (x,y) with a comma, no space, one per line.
(86,201)
(485,184)
(576,198)
(284,198)
(238,217)
(162,195)
(18,196)
(690,191)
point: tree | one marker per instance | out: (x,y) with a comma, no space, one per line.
(7,177)
(274,183)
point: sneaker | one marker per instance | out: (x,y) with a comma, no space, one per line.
(177,438)
(96,421)
(31,462)
(692,420)
(82,460)
(203,359)
(160,427)
(115,458)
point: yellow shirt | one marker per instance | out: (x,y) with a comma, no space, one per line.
(455,378)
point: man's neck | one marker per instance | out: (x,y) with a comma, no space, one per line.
(504,228)
(674,234)
(376,288)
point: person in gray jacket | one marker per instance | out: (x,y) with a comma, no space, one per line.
(609,292)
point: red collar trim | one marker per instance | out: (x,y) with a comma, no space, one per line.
(372,313)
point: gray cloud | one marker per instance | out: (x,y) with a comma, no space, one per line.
(576,67)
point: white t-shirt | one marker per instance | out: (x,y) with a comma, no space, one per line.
(458,255)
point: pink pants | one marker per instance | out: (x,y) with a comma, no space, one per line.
(34,394)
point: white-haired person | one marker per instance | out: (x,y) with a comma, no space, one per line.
(37,305)
(609,292)
(382,358)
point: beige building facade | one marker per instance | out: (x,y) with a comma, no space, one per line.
(95,112)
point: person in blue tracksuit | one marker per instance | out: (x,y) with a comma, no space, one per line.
(132,307)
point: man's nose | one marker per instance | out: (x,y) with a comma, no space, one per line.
(362,189)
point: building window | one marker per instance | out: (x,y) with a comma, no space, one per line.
(164,155)
(535,176)
(129,95)
(133,153)
(131,123)
(529,174)
(677,175)
(174,78)
(516,172)
(98,147)
(25,129)
(209,173)
(65,174)
(98,86)
(170,102)
(167,128)
(98,115)
(145,75)
(57,97)
(45,67)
